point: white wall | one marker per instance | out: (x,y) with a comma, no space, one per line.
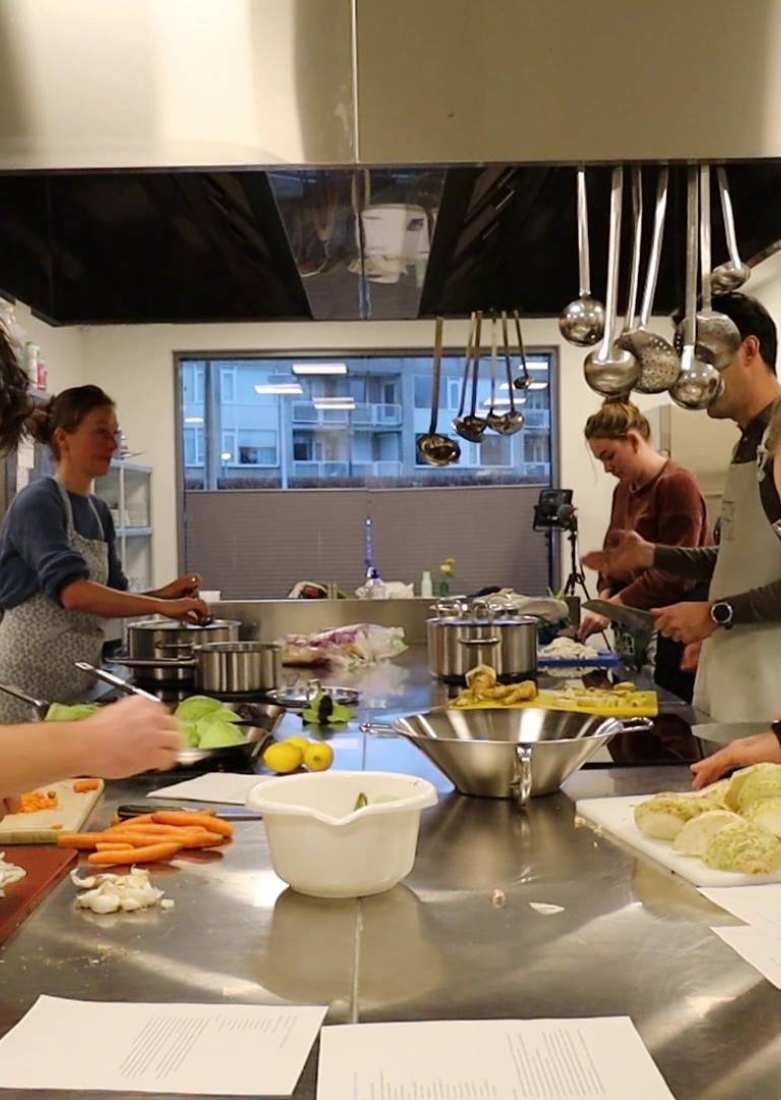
(62,349)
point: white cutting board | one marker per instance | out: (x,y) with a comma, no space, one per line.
(37,828)
(616,817)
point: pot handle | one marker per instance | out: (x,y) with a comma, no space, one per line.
(152,662)
(479,641)
(378,729)
(521,784)
(115,681)
(636,725)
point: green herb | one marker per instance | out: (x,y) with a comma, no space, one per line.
(322,710)
(361,801)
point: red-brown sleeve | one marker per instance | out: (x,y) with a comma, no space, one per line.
(681,522)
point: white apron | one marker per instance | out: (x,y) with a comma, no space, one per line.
(40,641)
(739,673)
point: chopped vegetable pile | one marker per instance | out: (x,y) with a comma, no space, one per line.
(32,801)
(9,874)
(733,825)
(108,893)
(208,723)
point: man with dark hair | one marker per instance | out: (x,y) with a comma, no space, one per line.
(739,625)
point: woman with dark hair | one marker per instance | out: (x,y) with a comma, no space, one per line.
(131,736)
(59,571)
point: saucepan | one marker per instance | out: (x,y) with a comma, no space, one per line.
(151,639)
(220,668)
(504,753)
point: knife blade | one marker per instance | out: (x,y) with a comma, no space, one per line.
(724,732)
(235,813)
(627,616)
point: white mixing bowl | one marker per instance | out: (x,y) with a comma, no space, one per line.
(322,846)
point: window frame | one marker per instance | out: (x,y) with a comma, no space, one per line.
(549,352)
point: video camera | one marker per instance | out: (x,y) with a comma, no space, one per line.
(555,511)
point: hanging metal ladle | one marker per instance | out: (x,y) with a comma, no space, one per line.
(610,370)
(582,322)
(524,379)
(734,273)
(513,420)
(471,426)
(437,449)
(699,383)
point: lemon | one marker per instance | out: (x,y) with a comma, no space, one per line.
(282,757)
(318,756)
(299,742)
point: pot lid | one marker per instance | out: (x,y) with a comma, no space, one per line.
(174,625)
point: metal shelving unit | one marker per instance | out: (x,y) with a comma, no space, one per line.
(127,489)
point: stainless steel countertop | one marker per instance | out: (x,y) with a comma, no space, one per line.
(631,939)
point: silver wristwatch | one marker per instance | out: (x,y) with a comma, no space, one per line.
(722,614)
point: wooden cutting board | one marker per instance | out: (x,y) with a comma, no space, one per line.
(615,816)
(44,866)
(37,828)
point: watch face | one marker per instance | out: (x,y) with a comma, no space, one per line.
(722,612)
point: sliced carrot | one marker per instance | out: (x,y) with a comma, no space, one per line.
(153,853)
(79,840)
(186,817)
(81,786)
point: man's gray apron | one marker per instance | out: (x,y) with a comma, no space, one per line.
(40,641)
(739,674)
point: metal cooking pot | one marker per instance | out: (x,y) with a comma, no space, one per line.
(160,639)
(221,668)
(460,641)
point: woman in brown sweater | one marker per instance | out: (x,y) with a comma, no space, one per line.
(663,503)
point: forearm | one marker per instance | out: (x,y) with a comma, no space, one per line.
(758,605)
(34,755)
(654,588)
(695,563)
(108,603)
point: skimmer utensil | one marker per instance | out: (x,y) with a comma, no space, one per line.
(658,359)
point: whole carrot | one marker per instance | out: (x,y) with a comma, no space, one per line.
(79,840)
(113,846)
(186,817)
(153,853)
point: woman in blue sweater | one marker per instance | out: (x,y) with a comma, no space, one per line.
(59,571)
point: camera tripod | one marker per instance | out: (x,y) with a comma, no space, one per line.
(576,578)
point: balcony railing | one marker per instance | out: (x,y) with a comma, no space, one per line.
(363,415)
(356,470)
(381,416)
